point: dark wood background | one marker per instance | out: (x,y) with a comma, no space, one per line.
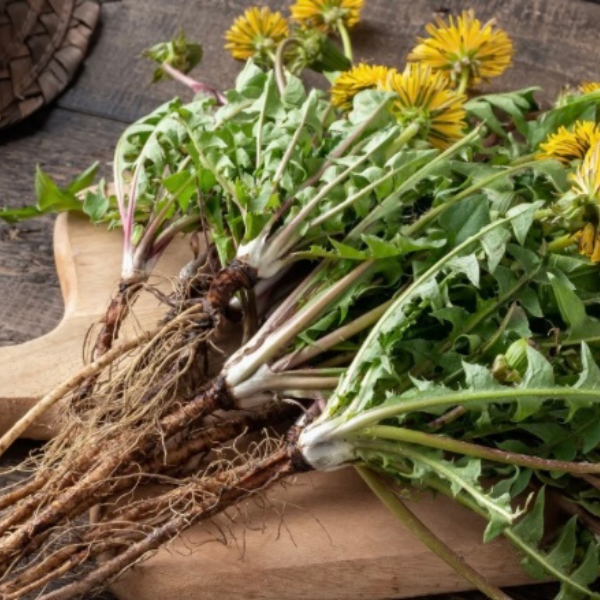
(556,44)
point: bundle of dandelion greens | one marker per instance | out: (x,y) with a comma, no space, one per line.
(412,269)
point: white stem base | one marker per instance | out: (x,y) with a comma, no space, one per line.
(321,451)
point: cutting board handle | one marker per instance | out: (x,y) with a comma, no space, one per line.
(88,262)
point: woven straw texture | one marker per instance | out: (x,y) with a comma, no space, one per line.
(42,42)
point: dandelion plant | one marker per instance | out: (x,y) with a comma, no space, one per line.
(400,275)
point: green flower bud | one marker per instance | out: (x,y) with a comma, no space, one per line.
(511,366)
(178,53)
(316,51)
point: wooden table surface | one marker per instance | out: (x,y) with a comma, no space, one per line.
(556,44)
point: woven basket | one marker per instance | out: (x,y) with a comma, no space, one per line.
(42,42)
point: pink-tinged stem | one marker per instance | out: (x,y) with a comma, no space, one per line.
(195,86)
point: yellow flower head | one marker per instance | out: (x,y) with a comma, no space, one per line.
(324,15)
(566,145)
(587,87)
(361,77)
(586,180)
(425,98)
(256,34)
(465,45)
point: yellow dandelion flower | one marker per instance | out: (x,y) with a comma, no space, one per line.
(425,98)
(588,242)
(326,15)
(256,34)
(464,50)
(586,180)
(587,87)
(566,145)
(361,77)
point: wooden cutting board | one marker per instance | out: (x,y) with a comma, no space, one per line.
(325,536)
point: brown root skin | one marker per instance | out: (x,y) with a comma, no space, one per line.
(116,313)
(21,492)
(230,280)
(140,515)
(214,497)
(97,484)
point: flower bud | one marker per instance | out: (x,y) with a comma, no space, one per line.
(178,53)
(511,366)
(316,51)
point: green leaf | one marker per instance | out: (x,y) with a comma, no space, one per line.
(83,180)
(468,266)
(572,309)
(560,560)
(14,215)
(50,198)
(522,219)
(530,529)
(515,105)
(95,203)
(539,374)
(494,244)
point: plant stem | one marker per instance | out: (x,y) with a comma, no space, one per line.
(279,62)
(443,470)
(293,143)
(244,365)
(332,339)
(289,235)
(167,235)
(426,536)
(195,86)
(346,41)
(409,133)
(339,151)
(555,573)
(283,382)
(463,397)
(464,80)
(401,434)
(380,213)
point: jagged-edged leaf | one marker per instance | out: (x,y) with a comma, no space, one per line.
(539,374)
(84,180)
(468,266)
(463,476)
(96,203)
(562,560)
(50,198)
(522,217)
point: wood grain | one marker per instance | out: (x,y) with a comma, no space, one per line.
(324,537)
(88,265)
(62,143)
